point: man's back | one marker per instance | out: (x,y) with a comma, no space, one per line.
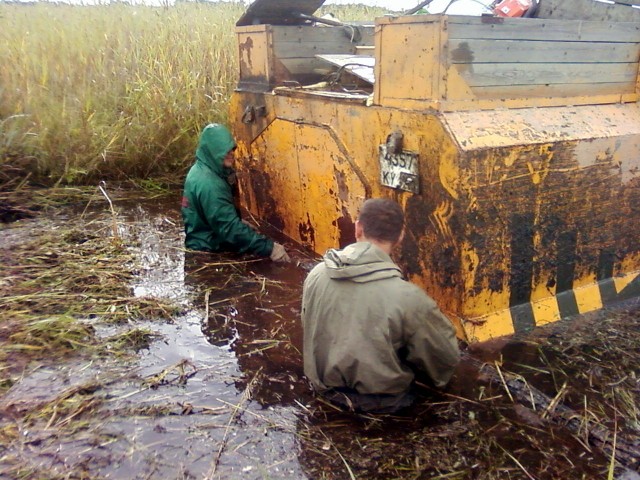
(365,327)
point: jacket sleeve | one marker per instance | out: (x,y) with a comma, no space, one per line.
(431,340)
(222,216)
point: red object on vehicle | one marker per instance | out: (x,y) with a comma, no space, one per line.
(512,8)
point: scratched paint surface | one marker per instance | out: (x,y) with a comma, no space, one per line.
(523,215)
(477,130)
(510,216)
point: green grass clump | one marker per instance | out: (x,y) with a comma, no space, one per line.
(111,90)
(134,339)
(60,334)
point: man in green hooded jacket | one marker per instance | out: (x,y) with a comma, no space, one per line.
(366,330)
(211,221)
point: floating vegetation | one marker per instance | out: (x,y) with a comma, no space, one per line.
(23,201)
(62,281)
(53,335)
(133,339)
(58,283)
(176,374)
(70,405)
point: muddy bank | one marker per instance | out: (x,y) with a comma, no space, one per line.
(206,378)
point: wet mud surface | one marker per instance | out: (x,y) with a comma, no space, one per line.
(218,389)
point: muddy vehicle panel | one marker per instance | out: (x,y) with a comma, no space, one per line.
(513,145)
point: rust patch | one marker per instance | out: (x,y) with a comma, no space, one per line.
(261,186)
(307,232)
(245,55)
(547,222)
(346,228)
(462,54)
(440,261)
(626,218)
(416,223)
(345,224)
(343,190)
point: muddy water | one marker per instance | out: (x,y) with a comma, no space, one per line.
(240,327)
(234,403)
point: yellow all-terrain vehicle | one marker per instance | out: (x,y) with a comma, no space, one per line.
(512,143)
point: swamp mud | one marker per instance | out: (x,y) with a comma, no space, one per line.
(123,356)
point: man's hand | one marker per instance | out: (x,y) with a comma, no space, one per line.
(279,254)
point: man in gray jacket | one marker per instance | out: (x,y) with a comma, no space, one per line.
(366,330)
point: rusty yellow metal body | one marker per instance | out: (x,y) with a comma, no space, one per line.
(520,179)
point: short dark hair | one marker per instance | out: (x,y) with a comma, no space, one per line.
(381,219)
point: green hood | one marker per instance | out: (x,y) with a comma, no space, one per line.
(360,262)
(215,142)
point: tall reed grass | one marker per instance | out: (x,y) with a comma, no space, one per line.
(114,91)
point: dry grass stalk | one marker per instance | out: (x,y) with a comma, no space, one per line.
(346,464)
(114,226)
(503,381)
(515,460)
(183,370)
(556,400)
(235,414)
(612,463)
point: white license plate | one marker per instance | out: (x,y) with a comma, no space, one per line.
(399,170)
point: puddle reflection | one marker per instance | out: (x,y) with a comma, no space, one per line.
(253,307)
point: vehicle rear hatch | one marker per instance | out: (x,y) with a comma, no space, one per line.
(279,12)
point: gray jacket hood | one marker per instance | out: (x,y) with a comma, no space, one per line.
(360,262)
